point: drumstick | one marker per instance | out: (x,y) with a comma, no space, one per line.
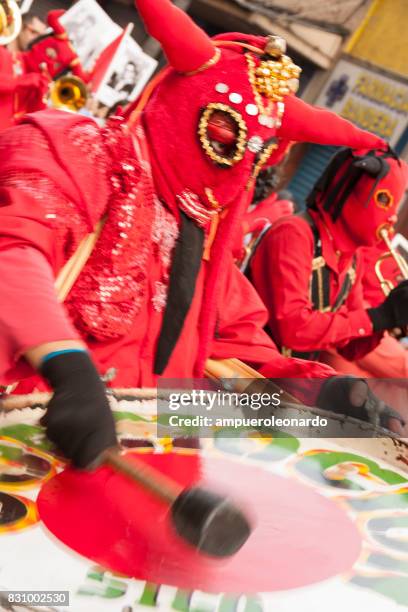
(207,520)
(244,377)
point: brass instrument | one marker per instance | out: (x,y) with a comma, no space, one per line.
(10,21)
(68,93)
(386,284)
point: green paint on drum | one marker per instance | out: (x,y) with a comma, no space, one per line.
(101,583)
(181,601)
(393,587)
(131,416)
(393,500)
(355,469)
(245,603)
(31,435)
(390,564)
(149,595)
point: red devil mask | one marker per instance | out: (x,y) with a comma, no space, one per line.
(360,191)
(216,118)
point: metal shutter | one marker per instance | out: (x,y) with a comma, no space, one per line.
(309,170)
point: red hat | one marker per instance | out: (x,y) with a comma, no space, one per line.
(54,23)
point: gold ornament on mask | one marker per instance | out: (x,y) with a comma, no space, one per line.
(276,79)
(278,76)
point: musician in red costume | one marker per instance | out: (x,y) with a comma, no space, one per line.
(388,362)
(160,293)
(25,75)
(308,269)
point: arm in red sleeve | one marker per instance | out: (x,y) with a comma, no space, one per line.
(359,347)
(388,360)
(30,314)
(240,334)
(281,270)
(36,237)
(241,319)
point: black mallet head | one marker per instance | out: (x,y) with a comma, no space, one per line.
(210,522)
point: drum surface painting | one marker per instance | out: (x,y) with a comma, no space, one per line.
(330,523)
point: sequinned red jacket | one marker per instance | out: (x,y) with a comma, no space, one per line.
(59,174)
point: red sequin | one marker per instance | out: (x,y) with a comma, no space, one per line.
(113,284)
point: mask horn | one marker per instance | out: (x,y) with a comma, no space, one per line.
(187,47)
(302,122)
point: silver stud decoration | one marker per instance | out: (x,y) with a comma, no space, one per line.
(266,121)
(222,88)
(235,98)
(251,109)
(255,144)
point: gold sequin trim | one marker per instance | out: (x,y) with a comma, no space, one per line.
(211,62)
(212,199)
(263,158)
(273,78)
(240,145)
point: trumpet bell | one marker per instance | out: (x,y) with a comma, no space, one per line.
(386,284)
(68,93)
(10,21)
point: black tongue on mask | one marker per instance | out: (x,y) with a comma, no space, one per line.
(183,278)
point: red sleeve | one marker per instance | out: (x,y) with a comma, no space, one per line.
(39,229)
(388,360)
(30,313)
(240,334)
(281,270)
(359,347)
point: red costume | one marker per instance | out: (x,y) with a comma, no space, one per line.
(308,271)
(160,293)
(53,53)
(20,93)
(25,76)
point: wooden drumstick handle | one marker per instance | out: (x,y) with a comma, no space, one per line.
(151,479)
(243,376)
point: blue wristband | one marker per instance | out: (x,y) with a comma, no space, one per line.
(61,352)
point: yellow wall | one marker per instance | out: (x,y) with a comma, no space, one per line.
(382,38)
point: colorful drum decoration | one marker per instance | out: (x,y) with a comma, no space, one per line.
(330,516)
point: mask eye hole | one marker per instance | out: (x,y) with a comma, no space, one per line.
(384,198)
(223,134)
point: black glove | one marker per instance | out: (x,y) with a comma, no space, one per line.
(393,312)
(353,397)
(78,420)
